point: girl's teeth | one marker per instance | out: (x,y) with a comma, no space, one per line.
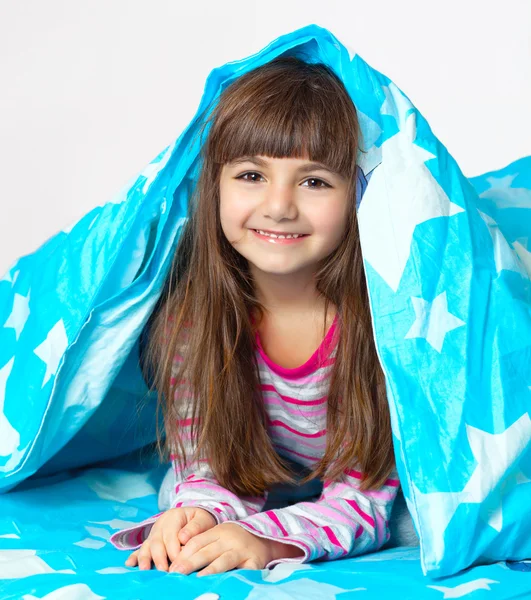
(281,237)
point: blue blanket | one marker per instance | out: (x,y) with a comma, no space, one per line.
(55,539)
(448,267)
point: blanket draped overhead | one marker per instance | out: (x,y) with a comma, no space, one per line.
(447,262)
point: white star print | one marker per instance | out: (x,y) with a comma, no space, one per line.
(283,571)
(396,104)
(118,486)
(19,314)
(302,587)
(24,563)
(496,471)
(401,194)
(496,456)
(52,349)
(9,277)
(520,247)
(505,196)
(433,321)
(491,510)
(9,436)
(504,256)
(463,589)
(437,510)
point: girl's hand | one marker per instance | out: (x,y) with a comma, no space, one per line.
(228,546)
(173,528)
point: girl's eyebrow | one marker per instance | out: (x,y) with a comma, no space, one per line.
(263,163)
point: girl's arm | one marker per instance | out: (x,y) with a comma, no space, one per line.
(342,522)
(195,486)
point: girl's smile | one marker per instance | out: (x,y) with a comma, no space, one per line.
(277,240)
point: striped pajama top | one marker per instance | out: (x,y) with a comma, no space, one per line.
(342,522)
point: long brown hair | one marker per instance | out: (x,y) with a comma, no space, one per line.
(284,108)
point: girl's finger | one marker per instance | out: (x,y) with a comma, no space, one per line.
(196,543)
(195,526)
(226,562)
(172,544)
(132,560)
(144,556)
(158,553)
(197,560)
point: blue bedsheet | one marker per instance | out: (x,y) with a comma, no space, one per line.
(55,544)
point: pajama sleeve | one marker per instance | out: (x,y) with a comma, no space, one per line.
(343,522)
(195,486)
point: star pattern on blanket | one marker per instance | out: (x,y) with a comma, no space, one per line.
(505,258)
(464,589)
(10,438)
(520,247)
(433,321)
(496,474)
(52,349)
(19,314)
(505,196)
(401,194)
(396,104)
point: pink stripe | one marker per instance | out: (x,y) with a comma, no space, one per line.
(359,532)
(279,423)
(333,514)
(363,514)
(353,473)
(269,400)
(318,376)
(274,518)
(331,536)
(271,388)
(184,422)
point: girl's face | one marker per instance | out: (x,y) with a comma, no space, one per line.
(286,195)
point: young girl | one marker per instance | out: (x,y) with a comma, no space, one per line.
(269,325)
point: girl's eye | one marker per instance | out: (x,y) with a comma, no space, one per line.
(309,179)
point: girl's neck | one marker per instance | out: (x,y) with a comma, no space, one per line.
(301,313)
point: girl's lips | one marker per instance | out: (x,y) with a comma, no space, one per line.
(277,240)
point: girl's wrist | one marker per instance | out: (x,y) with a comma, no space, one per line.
(282,550)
